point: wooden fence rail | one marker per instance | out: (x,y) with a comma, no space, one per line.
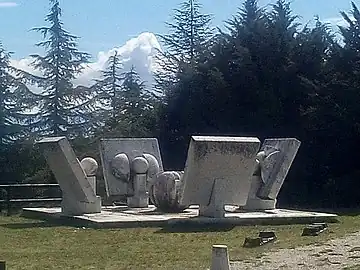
(9,200)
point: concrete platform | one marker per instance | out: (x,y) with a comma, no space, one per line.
(123,216)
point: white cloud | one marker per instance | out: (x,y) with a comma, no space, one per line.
(139,52)
(8,4)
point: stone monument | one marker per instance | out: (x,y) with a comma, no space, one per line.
(130,167)
(218,172)
(76,180)
(221,175)
(273,164)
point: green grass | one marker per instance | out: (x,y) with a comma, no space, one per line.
(31,244)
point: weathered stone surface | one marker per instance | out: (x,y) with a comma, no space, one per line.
(123,216)
(117,172)
(218,171)
(79,196)
(154,168)
(165,192)
(273,163)
(140,198)
(254,202)
(275,167)
(89,165)
(220,258)
(139,166)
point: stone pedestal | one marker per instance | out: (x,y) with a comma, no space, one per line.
(141,196)
(259,204)
(220,258)
(92,181)
(70,207)
(216,206)
(254,202)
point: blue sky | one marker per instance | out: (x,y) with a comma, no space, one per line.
(105,24)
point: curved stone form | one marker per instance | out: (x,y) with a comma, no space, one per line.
(90,167)
(117,155)
(137,171)
(273,164)
(154,168)
(120,167)
(165,192)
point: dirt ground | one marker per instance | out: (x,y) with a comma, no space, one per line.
(341,253)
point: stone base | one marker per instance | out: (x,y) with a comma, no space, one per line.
(138,202)
(212,211)
(123,216)
(256,204)
(75,208)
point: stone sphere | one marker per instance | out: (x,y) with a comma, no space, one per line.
(154,166)
(164,193)
(120,167)
(140,165)
(89,165)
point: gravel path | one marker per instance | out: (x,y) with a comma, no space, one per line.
(335,254)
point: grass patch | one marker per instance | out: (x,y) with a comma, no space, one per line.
(32,244)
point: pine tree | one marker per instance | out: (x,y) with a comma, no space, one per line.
(109,88)
(248,18)
(124,100)
(63,109)
(186,43)
(15,102)
(189,33)
(351,33)
(136,100)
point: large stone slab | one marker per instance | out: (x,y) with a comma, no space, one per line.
(277,165)
(218,171)
(124,217)
(78,194)
(132,148)
(274,161)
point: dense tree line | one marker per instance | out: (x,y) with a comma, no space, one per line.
(262,74)
(267,75)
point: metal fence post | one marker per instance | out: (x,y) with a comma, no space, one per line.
(8,201)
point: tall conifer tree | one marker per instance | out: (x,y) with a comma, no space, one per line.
(63,109)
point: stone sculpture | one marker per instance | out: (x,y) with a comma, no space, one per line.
(90,167)
(165,192)
(273,164)
(130,167)
(76,180)
(218,172)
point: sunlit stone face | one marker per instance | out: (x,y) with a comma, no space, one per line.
(89,165)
